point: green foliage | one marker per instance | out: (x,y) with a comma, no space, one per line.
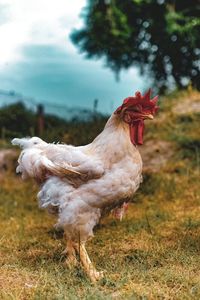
(161,37)
(15,119)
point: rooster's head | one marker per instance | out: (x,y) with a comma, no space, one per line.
(134,111)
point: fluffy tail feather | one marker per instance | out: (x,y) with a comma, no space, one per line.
(34,163)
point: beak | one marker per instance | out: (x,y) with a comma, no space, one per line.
(147,116)
(150,117)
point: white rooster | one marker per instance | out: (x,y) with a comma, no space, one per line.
(81,183)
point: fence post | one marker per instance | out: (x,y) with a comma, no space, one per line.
(40,119)
(95,105)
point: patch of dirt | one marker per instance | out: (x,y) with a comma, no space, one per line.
(187,106)
(8,159)
(155,155)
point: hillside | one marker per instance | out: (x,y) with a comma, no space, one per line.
(152,254)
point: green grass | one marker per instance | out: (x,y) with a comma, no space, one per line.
(152,254)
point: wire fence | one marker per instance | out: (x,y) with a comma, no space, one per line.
(42,108)
(62,110)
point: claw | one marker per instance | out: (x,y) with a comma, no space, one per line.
(71,250)
(90,270)
(97,275)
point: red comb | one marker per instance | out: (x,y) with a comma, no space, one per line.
(144,101)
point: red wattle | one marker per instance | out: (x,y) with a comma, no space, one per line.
(136,132)
(140,132)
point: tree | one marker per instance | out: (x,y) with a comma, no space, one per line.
(161,37)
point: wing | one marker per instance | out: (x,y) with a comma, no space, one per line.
(63,161)
(82,166)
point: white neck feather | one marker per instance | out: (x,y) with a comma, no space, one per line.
(114,138)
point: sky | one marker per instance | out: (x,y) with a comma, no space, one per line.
(38,59)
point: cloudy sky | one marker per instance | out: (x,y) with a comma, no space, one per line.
(38,59)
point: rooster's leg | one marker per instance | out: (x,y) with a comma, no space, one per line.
(90,270)
(71,260)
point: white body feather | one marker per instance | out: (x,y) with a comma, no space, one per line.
(103,174)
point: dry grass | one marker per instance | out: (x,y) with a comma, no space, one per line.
(152,254)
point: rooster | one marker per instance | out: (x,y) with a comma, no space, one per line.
(81,184)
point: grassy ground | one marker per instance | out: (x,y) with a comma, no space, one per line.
(152,254)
